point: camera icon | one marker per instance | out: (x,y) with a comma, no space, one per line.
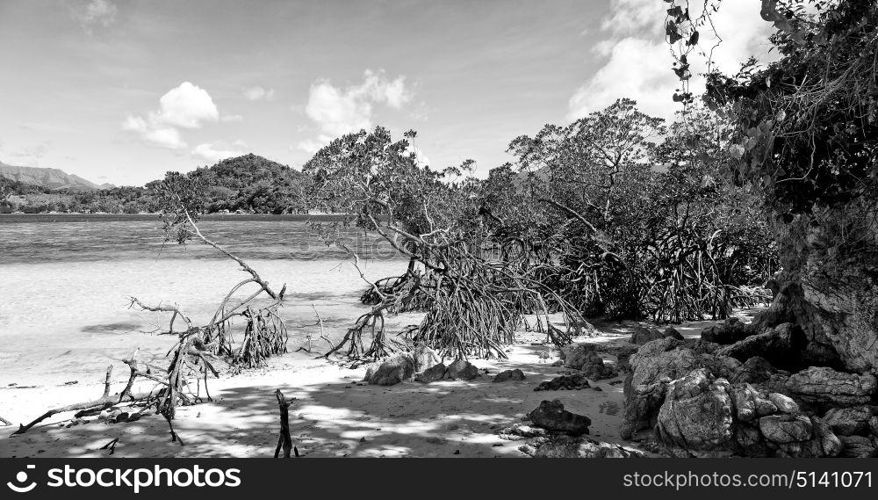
(20,479)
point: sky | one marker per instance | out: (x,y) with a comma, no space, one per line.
(121,91)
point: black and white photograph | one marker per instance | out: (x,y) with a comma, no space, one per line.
(450,229)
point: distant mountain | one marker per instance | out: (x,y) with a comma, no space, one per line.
(48,178)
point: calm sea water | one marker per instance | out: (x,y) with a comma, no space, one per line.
(66,283)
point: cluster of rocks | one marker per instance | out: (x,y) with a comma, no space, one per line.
(422,365)
(724,394)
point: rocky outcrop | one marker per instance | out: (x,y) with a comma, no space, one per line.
(780,346)
(824,387)
(654,365)
(697,413)
(552,416)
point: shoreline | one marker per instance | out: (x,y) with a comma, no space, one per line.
(334,414)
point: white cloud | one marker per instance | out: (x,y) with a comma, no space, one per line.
(338,111)
(153,133)
(94,12)
(638,61)
(258,93)
(215,152)
(231,118)
(185,106)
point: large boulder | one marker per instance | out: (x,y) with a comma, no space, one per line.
(849,421)
(780,345)
(432,374)
(824,387)
(654,365)
(697,413)
(509,375)
(552,416)
(730,331)
(393,371)
(641,335)
(462,370)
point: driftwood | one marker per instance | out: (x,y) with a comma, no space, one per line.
(89,407)
(284,440)
(4,421)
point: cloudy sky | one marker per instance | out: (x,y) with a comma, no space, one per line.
(121,91)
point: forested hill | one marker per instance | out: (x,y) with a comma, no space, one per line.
(248,183)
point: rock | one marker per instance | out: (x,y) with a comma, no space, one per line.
(825,387)
(749,441)
(830,444)
(823,443)
(728,332)
(623,357)
(641,407)
(873,426)
(519,431)
(849,421)
(432,374)
(779,345)
(509,375)
(562,446)
(393,371)
(785,428)
(643,335)
(755,369)
(462,370)
(425,358)
(552,416)
(697,413)
(749,403)
(594,367)
(574,356)
(784,404)
(653,366)
(701,346)
(857,447)
(571,382)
